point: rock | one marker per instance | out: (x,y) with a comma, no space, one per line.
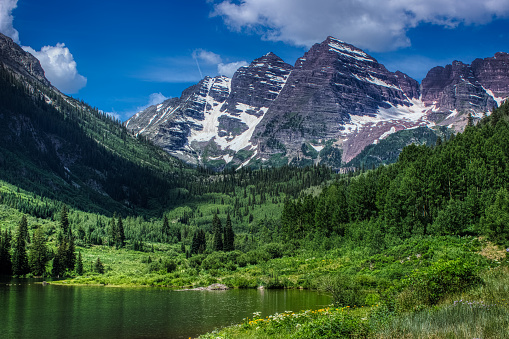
(454,87)
(217,287)
(333,82)
(213,287)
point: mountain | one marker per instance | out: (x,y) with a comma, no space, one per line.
(333,103)
(213,121)
(57,147)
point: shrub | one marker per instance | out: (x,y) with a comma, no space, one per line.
(274,250)
(431,284)
(344,290)
(215,260)
(196,260)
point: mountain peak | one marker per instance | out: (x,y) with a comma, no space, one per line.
(269,58)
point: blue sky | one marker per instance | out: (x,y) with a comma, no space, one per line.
(120,56)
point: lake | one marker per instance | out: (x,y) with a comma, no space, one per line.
(30,310)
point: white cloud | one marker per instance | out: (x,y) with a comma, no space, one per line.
(156,98)
(231,68)
(153,99)
(6,18)
(206,56)
(59,67)
(369,24)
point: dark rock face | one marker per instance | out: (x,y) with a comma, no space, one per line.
(217,114)
(14,57)
(231,126)
(493,73)
(258,84)
(455,87)
(332,82)
(408,85)
(171,123)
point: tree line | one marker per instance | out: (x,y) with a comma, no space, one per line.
(457,187)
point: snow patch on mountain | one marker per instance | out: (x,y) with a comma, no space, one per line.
(243,140)
(499,100)
(415,114)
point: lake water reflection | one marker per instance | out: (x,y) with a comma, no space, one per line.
(29,310)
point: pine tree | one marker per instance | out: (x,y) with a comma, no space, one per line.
(20,265)
(202,240)
(112,232)
(98,266)
(79,265)
(229,236)
(38,256)
(195,244)
(120,238)
(70,254)
(23,229)
(470,120)
(64,220)
(58,268)
(217,229)
(165,231)
(199,242)
(5,255)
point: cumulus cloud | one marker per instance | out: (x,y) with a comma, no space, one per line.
(6,18)
(230,68)
(59,67)
(373,25)
(206,56)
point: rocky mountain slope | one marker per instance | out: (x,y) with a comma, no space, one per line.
(327,108)
(214,120)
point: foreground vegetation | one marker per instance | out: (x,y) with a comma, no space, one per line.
(481,311)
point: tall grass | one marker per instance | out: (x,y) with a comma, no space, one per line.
(482,312)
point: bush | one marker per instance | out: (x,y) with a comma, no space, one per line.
(431,284)
(163,266)
(252,258)
(274,250)
(344,290)
(196,260)
(215,260)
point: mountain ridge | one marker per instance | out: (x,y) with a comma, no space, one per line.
(336,99)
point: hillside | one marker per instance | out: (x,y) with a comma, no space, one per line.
(63,149)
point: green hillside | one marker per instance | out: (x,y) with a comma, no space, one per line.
(63,149)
